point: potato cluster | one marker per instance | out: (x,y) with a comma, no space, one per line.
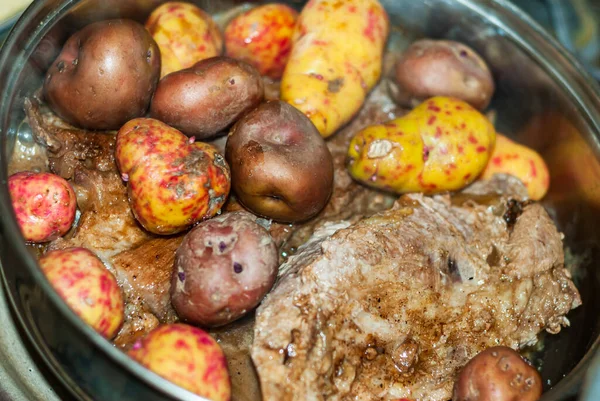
(178,80)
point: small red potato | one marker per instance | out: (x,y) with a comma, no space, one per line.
(44,204)
(442,68)
(172,181)
(81,279)
(520,161)
(187,356)
(281,167)
(262,37)
(498,374)
(185,35)
(206,98)
(104,76)
(223,269)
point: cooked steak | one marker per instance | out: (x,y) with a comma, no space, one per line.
(392,306)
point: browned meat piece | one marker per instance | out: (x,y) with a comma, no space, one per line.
(70,148)
(147,269)
(392,306)
(106,225)
(534,246)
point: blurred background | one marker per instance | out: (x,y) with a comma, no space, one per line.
(575,23)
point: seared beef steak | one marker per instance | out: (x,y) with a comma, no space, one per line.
(392,306)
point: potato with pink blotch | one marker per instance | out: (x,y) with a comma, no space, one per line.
(522,162)
(85,284)
(44,205)
(187,356)
(262,37)
(185,34)
(172,181)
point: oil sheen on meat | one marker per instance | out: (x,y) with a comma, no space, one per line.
(393,306)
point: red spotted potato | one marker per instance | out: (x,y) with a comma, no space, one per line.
(336,59)
(441,145)
(187,356)
(522,162)
(173,182)
(85,284)
(441,68)
(223,269)
(498,374)
(185,34)
(44,205)
(262,37)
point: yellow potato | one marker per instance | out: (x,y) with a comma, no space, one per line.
(172,181)
(335,60)
(185,35)
(441,145)
(522,162)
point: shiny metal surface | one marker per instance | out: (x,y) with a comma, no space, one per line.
(544,99)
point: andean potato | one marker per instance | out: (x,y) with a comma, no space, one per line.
(441,145)
(206,98)
(281,167)
(441,68)
(173,182)
(336,59)
(44,204)
(81,279)
(104,76)
(262,37)
(498,374)
(187,356)
(185,35)
(223,269)
(522,162)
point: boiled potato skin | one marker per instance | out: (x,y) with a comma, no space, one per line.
(87,287)
(441,145)
(185,35)
(223,269)
(104,76)
(336,59)
(442,68)
(44,204)
(522,162)
(281,167)
(172,181)
(206,98)
(262,37)
(498,374)
(187,356)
